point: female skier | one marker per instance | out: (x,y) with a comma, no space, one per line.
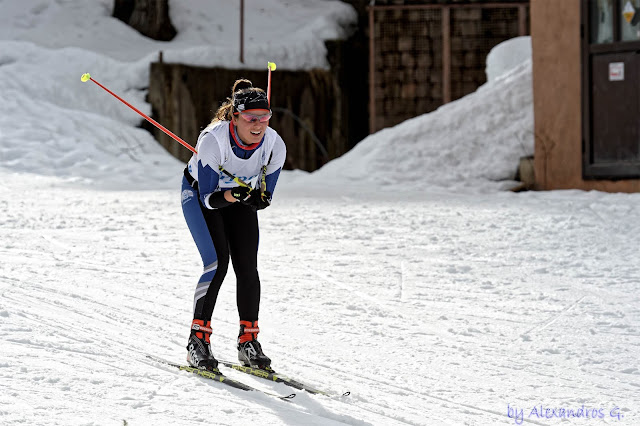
(233,174)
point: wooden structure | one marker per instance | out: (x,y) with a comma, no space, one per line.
(425,54)
(586,94)
(310,111)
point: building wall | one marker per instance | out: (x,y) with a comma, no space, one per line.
(557,97)
(408,54)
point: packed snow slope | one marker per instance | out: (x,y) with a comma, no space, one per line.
(431,308)
(411,281)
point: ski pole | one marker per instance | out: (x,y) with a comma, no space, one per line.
(86,77)
(272,67)
(235,179)
(263,180)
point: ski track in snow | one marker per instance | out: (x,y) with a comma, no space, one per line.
(441,309)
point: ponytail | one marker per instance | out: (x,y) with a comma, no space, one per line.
(225,112)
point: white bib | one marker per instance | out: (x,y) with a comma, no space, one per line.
(248,170)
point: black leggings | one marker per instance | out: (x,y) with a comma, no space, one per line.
(232,232)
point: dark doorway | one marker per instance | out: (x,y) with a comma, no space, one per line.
(611,89)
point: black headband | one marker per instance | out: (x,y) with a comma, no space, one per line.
(251,99)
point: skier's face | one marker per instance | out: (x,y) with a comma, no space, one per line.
(252,124)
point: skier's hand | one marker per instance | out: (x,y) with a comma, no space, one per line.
(263,200)
(243,194)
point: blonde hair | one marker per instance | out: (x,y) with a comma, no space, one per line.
(225,112)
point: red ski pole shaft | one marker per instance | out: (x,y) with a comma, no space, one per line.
(271,66)
(86,77)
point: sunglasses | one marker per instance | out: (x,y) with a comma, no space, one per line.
(252,118)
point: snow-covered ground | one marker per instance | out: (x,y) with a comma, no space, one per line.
(402,272)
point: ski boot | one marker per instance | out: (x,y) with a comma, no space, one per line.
(199,353)
(249,350)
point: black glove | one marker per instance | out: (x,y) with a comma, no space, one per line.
(263,200)
(243,194)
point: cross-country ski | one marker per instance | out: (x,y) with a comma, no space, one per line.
(271,375)
(219,377)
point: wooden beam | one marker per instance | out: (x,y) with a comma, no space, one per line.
(372,73)
(446,54)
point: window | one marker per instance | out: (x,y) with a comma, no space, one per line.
(601,21)
(630,24)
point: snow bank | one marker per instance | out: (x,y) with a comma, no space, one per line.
(473,143)
(54,125)
(507,55)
